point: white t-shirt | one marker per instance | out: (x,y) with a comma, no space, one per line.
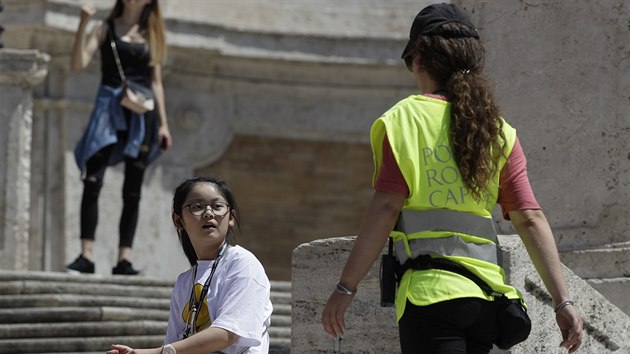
(238,301)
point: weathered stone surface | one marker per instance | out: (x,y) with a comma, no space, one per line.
(316,266)
(47,312)
(285,74)
(372,329)
(20,70)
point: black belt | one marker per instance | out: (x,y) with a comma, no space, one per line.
(424,262)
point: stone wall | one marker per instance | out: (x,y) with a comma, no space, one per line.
(372,329)
(564,90)
(290,190)
(221,83)
(320,73)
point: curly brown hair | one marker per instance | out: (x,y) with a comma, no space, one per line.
(476,126)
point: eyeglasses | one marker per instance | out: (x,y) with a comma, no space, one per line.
(216,208)
(408,58)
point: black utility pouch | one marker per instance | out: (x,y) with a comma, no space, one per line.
(513,322)
(389,266)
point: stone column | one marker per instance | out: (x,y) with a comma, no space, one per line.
(20,71)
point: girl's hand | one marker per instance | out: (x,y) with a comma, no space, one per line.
(120,349)
(87,11)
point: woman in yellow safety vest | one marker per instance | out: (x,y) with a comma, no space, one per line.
(443,159)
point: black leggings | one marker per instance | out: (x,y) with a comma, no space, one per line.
(95,172)
(465,326)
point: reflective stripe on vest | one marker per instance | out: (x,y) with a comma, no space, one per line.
(448,246)
(413,221)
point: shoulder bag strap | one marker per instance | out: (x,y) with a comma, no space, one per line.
(112,42)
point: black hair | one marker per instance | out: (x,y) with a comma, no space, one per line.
(179,197)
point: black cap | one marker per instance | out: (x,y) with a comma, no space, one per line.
(431,18)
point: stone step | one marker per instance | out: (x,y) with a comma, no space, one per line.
(605,269)
(280,297)
(32,302)
(48,315)
(71,300)
(279,345)
(616,290)
(59,315)
(82,329)
(280,328)
(42,294)
(46,312)
(101,344)
(281,286)
(280,321)
(69,344)
(10,275)
(279,332)
(282,309)
(66,300)
(15,287)
(276,346)
(56,284)
(611,262)
(79,314)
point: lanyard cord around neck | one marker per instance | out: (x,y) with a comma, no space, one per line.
(193,304)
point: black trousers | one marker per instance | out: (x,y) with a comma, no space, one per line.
(134,175)
(466,325)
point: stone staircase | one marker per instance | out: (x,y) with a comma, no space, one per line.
(607,269)
(47,312)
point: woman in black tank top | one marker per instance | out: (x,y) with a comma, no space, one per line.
(137,29)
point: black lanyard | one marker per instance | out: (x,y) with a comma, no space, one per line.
(194,306)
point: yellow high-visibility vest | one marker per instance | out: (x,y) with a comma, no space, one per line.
(439,217)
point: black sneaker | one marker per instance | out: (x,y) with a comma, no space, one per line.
(124,268)
(81,265)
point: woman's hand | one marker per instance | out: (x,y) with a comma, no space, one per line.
(83,48)
(165,139)
(570,324)
(334,313)
(87,11)
(378,221)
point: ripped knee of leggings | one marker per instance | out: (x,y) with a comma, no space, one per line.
(92,185)
(131,197)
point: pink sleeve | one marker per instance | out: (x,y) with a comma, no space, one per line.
(515,192)
(389,178)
